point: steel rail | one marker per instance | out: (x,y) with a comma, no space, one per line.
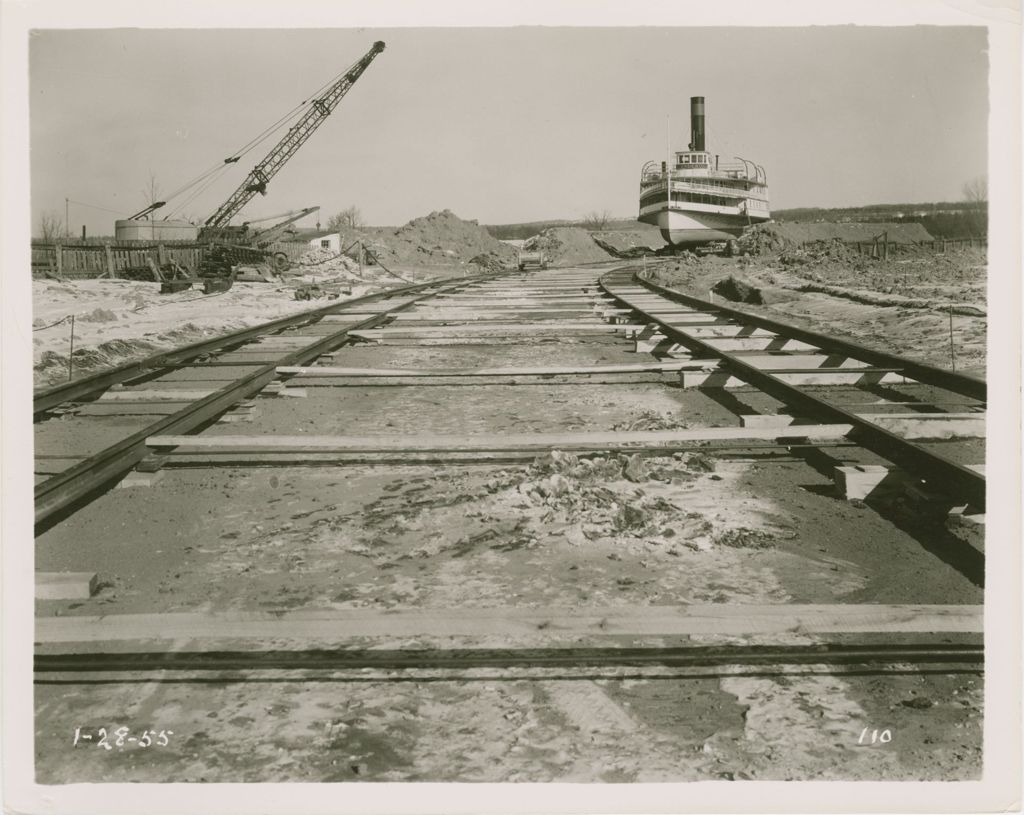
(52,397)
(963,654)
(57,493)
(948,380)
(923,463)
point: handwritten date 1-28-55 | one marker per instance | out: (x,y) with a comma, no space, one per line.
(120,737)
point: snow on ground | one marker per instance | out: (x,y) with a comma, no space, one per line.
(116,320)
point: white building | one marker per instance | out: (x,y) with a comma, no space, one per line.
(326,240)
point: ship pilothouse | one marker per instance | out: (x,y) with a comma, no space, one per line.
(701,199)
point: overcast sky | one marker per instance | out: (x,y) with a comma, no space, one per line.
(504,125)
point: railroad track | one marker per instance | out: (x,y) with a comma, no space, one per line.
(467,376)
(256,351)
(741,349)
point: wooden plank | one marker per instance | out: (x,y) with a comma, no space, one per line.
(507,328)
(499,302)
(638,621)
(494,314)
(722,379)
(65,585)
(771,362)
(488,322)
(506,441)
(168,395)
(313,458)
(515,293)
(131,408)
(704,332)
(734,345)
(531,291)
(559,370)
(907,425)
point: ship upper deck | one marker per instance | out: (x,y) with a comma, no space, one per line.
(700,167)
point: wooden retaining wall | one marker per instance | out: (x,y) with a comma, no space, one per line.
(82,260)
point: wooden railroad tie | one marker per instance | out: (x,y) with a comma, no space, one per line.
(555,370)
(907,425)
(625,441)
(343,625)
(65,585)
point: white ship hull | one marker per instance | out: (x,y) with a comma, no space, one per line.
(682,228)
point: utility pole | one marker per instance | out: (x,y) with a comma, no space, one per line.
(952,346)
(67,223)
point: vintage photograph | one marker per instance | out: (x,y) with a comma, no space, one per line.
(601,405)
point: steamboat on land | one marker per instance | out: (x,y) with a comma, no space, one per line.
(699,199)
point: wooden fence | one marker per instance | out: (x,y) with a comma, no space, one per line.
(882,248)
(75,260)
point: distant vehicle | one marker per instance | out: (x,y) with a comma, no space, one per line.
(532,258)
(699,200)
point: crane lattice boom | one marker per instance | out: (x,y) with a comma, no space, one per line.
(320,109)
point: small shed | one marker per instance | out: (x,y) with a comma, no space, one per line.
(325,240)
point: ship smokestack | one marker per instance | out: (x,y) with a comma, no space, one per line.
(697,123)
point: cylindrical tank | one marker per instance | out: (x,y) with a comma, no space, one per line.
(697,123)
(143,229)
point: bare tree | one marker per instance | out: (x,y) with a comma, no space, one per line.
(350,218)
(51,225)
(976,190)
(976,195)
(597,221)
(152,190)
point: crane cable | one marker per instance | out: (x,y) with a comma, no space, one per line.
(194,195)
(262,136)
(254,142)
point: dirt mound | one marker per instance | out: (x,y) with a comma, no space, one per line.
(566,245)
(752,292)
(764,239)
(630,243)
(438,239)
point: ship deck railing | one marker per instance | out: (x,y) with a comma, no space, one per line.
(757,190)
(653,176)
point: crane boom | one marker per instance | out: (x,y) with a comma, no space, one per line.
(297,135)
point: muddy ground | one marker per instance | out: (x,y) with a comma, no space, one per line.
(607,530)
